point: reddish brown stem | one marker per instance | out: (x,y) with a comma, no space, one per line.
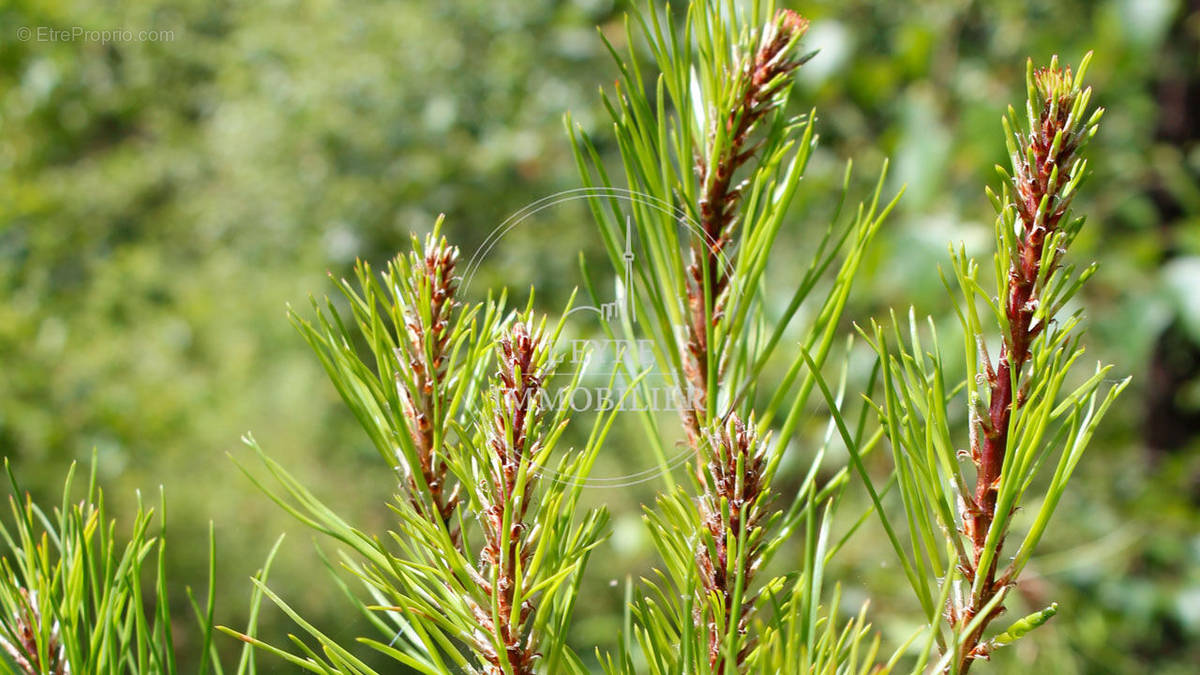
(427,352)
(515,401)
(707,281)
(762,77)
(1032,182)
(733,443)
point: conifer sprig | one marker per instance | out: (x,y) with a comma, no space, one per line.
(1046,172)
(733,508)
(495,593)
(533,539)
(761,86)
(426,362)
(714,157)
(514,439)
(78,595)
(427,293)
(1021,411)
(1035,231)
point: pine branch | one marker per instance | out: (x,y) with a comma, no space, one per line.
(732,512)
(1020,409)
(760,81)
(428,292)
(421,376)
(1046,171)
(74,598)
(513,438)
(718,145)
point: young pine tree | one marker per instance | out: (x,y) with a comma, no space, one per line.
(482,571)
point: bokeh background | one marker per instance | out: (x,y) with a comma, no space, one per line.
(162,202)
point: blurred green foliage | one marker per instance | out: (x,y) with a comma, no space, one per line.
(162,201)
